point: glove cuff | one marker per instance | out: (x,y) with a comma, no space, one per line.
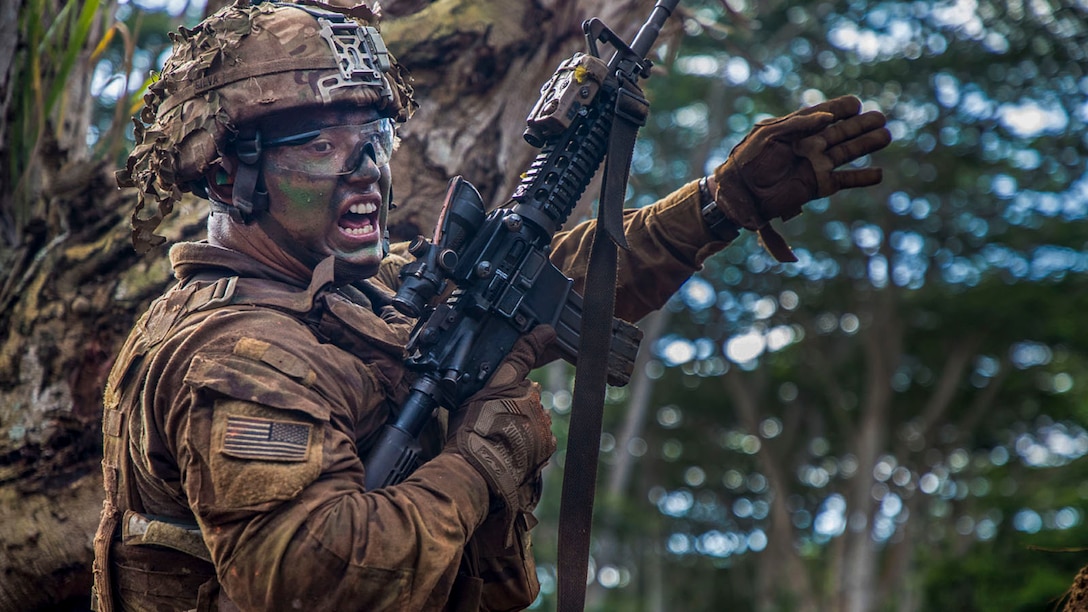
(742,209)
(734,198)
(720,225)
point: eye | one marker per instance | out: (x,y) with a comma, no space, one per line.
(320,146)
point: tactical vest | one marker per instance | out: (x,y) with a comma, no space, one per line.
(165,558)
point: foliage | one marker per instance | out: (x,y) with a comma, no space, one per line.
(965,266)
(42,70)
(120,44)
(126,60)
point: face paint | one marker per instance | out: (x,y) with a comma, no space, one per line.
(340,215)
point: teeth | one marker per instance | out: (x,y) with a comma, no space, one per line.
(362,209)
(358,231)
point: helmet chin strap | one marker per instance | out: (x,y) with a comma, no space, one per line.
(383,218)
(249,198)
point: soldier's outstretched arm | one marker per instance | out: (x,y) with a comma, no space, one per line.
(781,165)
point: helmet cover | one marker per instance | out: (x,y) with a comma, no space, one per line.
(244,62)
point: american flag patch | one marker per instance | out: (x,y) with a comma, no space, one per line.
(250,438)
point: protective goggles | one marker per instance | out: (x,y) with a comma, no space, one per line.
(335,150)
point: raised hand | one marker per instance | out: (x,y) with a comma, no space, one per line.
(788,161)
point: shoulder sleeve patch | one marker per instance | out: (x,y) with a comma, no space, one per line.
(267,439)
(261,455)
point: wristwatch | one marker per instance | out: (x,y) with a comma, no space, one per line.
(720,225)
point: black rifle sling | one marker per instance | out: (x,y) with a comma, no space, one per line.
(584,437)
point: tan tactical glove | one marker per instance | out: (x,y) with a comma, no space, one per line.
(504,432)
(785,162)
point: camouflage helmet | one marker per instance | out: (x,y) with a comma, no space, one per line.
(244,62)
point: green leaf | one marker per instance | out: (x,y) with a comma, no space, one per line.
(71,53)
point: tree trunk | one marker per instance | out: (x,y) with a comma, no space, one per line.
(782,573)
(882,348)
(71,286)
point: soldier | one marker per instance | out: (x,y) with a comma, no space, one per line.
(237,411)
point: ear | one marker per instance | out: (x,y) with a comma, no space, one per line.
(220,179)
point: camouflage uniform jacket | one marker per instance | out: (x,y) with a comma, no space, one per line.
(235,416)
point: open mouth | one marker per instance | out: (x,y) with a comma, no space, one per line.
(359,220)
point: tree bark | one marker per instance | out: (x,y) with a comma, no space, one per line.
(71,285)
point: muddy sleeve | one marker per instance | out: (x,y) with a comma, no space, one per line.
(669,242)
(264,424)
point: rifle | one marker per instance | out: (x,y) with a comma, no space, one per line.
(497,263)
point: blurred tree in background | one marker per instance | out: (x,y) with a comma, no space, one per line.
(894,422)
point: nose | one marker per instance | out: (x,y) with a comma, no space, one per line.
(362,165)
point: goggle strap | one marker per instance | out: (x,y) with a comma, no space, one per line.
(293,139)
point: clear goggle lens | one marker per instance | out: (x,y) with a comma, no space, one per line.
(335,150)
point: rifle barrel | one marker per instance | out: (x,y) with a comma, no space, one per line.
(647,34)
